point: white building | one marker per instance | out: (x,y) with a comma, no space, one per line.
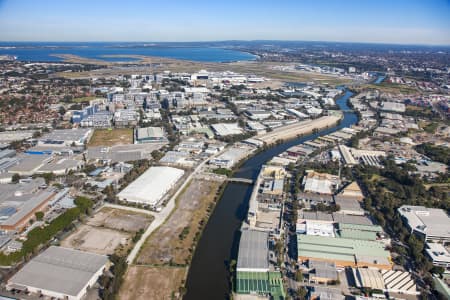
(150,187)
(60,273)
(224,129)
(66,137)
(438,255)
(431,223)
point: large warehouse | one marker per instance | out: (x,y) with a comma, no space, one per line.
(253,251)
(60,273)
(150,187)
(150,135)
(343,252)
(66,137)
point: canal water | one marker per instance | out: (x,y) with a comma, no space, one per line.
(208,274)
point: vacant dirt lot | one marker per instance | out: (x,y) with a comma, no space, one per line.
(109,231)
(95,239)
(120,220)
(107,137)
(146,283)
(173,242)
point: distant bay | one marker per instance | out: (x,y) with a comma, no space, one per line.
(45,52)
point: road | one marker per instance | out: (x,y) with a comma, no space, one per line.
(160,217)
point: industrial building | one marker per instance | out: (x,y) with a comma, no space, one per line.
(253,251)
(256,115)
(121,153)
(150,135)
(322,271)
(348,206)
(61,166)
(343,252)
(352,190)
(312,199)
(60,273)
(320,183)
(28,165)
(432,224)
(358,231)
(315,228)
(352,156)
(385,280)
(224,129)
(20,202)
(393,106)
(253,275)
(66,137)
(18,135)
(150,187)
(326,293)
(230,157)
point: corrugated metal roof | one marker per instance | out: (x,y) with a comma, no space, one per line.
(59,269)
(253,250)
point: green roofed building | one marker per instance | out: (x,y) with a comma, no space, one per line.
(358,231)
(343,252)
(261,283)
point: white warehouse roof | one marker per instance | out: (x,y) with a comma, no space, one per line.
(60,272)
(151,186)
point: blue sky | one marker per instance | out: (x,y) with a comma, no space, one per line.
(388,21)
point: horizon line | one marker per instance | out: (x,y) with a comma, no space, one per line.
(231,40)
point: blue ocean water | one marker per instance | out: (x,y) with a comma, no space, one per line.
(44,51)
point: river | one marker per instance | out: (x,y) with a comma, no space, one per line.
(208,274)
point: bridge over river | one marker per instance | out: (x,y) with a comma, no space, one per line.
(241,180)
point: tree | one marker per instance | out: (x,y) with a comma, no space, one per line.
(15,178)
(157,155)
(299,276)
(84,204)
(437,270)
(301,293)
(39,215)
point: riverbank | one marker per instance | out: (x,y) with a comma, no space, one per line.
(163,260)
(209,270)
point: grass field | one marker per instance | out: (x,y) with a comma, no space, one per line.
(159,283)
(111,137)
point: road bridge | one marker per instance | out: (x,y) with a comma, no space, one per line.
(240,180)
